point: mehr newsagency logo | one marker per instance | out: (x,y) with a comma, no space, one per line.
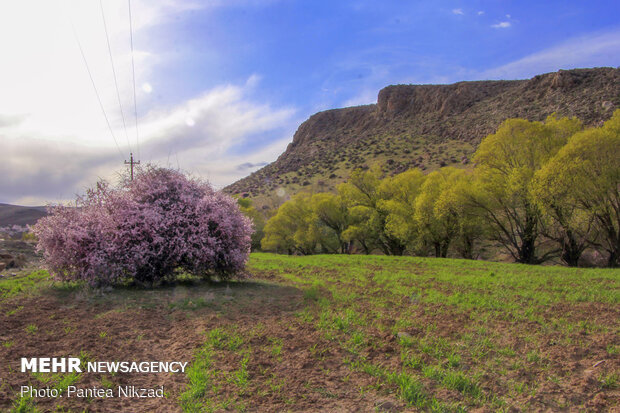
(75,365)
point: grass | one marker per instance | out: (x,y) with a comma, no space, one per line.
(205,381)
(609,381)
(23,284)
(435,334)
(189,304)
(458,324)
(24,405)
(199,376)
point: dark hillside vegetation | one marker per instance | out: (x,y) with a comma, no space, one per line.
(20,215)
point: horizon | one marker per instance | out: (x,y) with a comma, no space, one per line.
(122,171)
(222,86)
(68,201)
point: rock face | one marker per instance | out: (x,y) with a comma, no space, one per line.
(427,126)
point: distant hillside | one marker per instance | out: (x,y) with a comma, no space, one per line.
(20,215)
(424,126)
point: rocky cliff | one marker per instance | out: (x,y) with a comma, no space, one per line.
(425,126)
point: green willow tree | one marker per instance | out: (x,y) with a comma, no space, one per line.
(332,213)
(292,228)
(540,189)
(580,189)
(258,221)
(451,207)
(363,195)
(307,224)
(437,227)
(506,163)
(402,191)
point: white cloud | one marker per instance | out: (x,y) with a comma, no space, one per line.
(501,25)
(223,171)
(458,11)
(253,80)
(598,49)
(36,170)
(364,97)
(214,121)
(54,141)
(43,78)
(480,13)
(207,135)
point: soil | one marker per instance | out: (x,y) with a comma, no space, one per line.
(310,373)
(147,329)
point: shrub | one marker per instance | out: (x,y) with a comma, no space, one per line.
(28,236)
(144,230)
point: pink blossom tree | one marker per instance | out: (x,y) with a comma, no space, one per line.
(145,230)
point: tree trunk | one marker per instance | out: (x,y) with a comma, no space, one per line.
(364,247)
(571,250)
(397,250)
(444,249)
(612,261)
(437,246)
(467,250)
(527,249)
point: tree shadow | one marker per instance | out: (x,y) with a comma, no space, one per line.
(194,296)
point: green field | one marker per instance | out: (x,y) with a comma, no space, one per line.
(471,333)
(450,335)
(359,333)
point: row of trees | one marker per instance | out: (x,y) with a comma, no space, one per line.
(540,190)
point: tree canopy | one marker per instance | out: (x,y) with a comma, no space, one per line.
(144,230)
(538,191)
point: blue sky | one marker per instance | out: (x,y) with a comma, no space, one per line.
(324,54)
(222,85)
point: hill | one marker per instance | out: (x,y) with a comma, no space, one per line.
(20,215)
(424,126)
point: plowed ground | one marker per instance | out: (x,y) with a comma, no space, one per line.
(329,333)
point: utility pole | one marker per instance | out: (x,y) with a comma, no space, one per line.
(132,163)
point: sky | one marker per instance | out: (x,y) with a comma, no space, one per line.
(222,85)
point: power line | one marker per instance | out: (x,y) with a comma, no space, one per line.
(118,95)
(75,36)
(133,72)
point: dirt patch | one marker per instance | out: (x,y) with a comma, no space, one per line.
(563,357)
(307,338)
(170,324)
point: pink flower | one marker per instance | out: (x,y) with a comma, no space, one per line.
(145,230)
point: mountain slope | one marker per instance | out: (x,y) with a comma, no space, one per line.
(20,215)
(424,126)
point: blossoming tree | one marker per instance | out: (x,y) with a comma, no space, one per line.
(145,230)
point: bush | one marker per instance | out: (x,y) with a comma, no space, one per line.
(29,237)
(144,231)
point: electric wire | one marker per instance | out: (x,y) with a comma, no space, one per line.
(133,72)
(118,95)
(77,39)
